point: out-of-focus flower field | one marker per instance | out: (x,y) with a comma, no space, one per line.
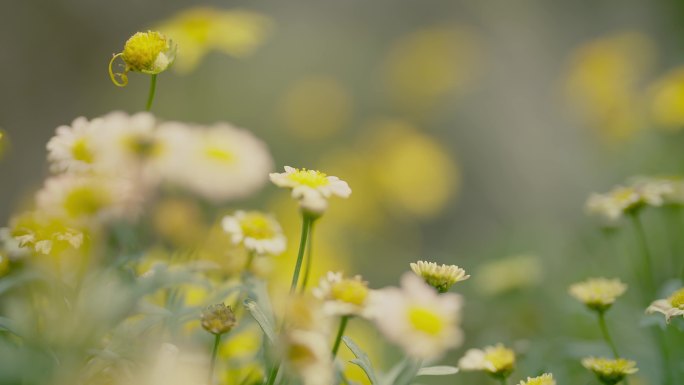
(341,192)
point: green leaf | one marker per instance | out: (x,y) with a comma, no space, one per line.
(261,318)
(361,360)
(437,371)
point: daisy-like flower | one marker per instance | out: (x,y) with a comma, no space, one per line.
(544,379)
(221,162)
(307,353)
(148,52)
(84,198)
(45,234)
(343,296)
(417,318)
(598,293)
(74,148)
(672,306)
(497,360)
(626,199)
(610,371)
(312,188)
(440,277)
(256,231)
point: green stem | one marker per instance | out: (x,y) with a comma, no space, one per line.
(309,256)
(504,380)
(250,260)
(214,353)
(606,335)
(340,333)
(647,262)
(272,376)
(306,223)
(150,97)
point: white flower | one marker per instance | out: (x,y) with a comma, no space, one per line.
(74,148)
(417,318)
(544,379)
(222,162)
(496,360)
(598,293)
(672,306)
(307,353)
(312,188)
(256,231)
(343,296)
(625,199)
(440,277)
(88,197)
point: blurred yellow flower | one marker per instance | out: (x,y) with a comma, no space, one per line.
(544,379)
(179,221)
(672,306)
(603,80)
(200,30)
(316,107)
(626,199)
(342,296)
(507,274)
(440,277)
(667,100)
(415,174)
(598,293)
(430,63)
(497,360)
(610,371)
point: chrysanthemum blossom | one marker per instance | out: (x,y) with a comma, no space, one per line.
(343,296)
(544,379)
(440,277)
(148,52)
(626,199)
(74,148)
(311,188)
(497,360)
(417,318)
(672,306)
(256,231)
(598,293)
(610,371)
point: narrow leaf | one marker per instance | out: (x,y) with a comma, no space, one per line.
(261,318)
(361,360)
(437,371)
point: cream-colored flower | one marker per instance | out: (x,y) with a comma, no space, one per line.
(307,353)
(84,198)
(44,234)
(672,306)
(256,231)
(440,277)
(311,188)
(417,318)
(74,148)
(544,379)
(598,293)
(222,162)
(610,371)
(343,296)
(497,360)
(626,199)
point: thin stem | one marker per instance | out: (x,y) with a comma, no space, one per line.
(214,352)
(504,380)
(606,335)
(150,97)
(250,259)
(340,333)
(306,223)
(309,256)
(646,254)
(274,373)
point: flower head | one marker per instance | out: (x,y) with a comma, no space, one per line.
(628,199)
(45,234)
(218,319)
(343,296)
(311,188)
(498,360)
(598,293)
(440,277)
(148,52)
(73,148)
(307,353)
(671,307)
(256,231)
(544,379)
(424,323)
(610,371)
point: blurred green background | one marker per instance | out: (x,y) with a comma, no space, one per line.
(470,131)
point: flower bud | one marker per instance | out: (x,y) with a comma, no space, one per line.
(148,52)
(218,319)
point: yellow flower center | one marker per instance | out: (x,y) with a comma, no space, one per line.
(426,320)
(84,201)
(142,146)
(677,299)
(257,226)
(142,50)
(311,178)
(219,154)
(352,291)
(501,358)
(81,151)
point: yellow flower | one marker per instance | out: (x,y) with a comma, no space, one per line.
(343,296)
(598,293)
(45,234)
(667,100)
(610,371)
(440,277)
(256,231)
(148,52)
(498,360)
(200,30)
(671,307)
(544,379)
